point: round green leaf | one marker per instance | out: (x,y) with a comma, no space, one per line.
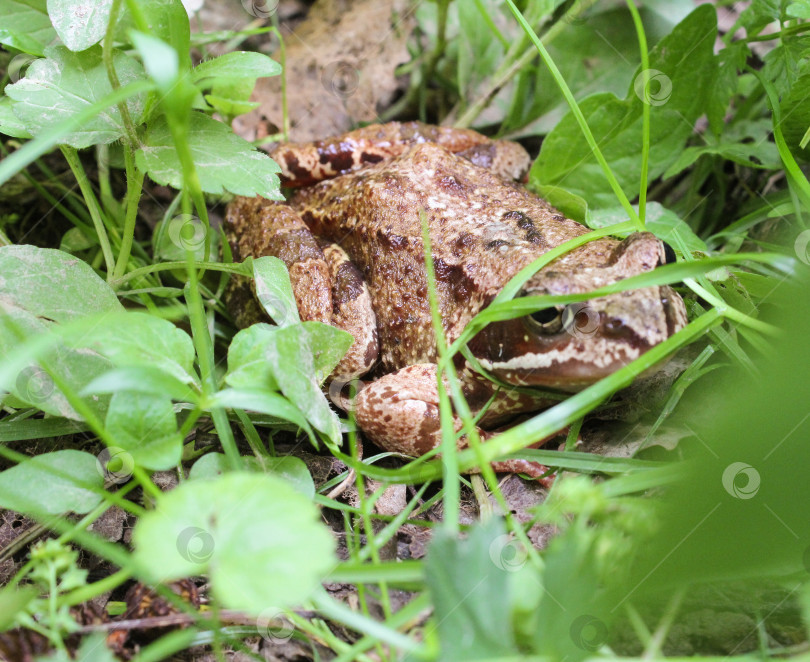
(259,540)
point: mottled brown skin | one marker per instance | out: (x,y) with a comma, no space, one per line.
(484,228)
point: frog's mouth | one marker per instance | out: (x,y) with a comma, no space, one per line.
(574,346)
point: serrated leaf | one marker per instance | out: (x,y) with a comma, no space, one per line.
(224,162)
(145,426)
(237,64)
(677,96)
(260,541)
(65,482)
(80,23)
(64,83)
(796,114)
(26,25)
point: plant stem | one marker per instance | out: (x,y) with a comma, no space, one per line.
(72,157)
(107,57)
(134,187)
(645,111)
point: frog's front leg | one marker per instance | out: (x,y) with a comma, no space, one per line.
(400,413)
(327,287)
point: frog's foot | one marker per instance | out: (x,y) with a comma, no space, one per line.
(326,286)
(303,164)
(400,413)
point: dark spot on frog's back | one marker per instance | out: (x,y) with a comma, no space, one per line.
(370,157)
(450,184)
(455,276)
(340,156)
(525,223)
(295,168)
(348,284)
(390,240)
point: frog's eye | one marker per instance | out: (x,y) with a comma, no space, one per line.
(669,254)
(548,320)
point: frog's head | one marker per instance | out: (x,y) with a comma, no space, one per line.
(575,345)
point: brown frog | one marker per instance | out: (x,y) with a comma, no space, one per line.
(351,236)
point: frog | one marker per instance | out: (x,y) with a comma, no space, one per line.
(351,235)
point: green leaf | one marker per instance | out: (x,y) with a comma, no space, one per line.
(144,379)
(785,63)
(757,15)
(291,469)
(66,481)
(64,83)
(80,23)
(9,122)
(799,9)
(145,427)
(232,98)
(263,401)
(26,25)
(328,344)
(761,154)
(40,287)
(274,291)
(174,237)
(167,20)
(52,285)
(140,339)
(237,64)
(247,367)
(284,357)
(224,162)
(261,542)
(796,115)
(573,206)
(13,600)
(468,582)
(729,61)
(160,60)
(662,222)
(677,95)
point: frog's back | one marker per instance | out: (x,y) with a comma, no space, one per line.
(483,230)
